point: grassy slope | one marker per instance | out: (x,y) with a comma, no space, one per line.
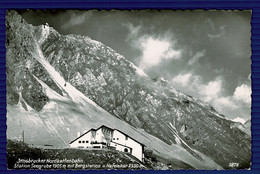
(104,159)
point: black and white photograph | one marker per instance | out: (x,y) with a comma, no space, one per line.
(128,89)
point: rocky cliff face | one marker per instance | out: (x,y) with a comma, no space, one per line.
(117,86)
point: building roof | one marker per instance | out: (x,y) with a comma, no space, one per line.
(89,131)
(107,128)
(82,135)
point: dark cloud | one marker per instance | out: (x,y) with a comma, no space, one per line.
(214,47)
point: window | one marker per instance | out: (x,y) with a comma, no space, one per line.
(126,138)
(86,141)
(114,138)
(83,141)
(117,138)
(79,141)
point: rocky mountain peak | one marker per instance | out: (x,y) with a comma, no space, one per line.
(45,69)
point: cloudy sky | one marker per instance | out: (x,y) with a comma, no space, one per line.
(205,54)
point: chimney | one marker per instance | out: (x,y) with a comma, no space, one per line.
(78,134)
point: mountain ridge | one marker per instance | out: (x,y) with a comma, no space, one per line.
(105,77)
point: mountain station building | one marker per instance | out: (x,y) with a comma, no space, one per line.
(105,137)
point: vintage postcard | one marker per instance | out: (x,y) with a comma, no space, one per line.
(128,90)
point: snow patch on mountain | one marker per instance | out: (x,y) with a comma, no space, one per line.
(140,72)
(240,120)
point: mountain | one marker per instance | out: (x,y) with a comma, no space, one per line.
(58,85)
(245,127)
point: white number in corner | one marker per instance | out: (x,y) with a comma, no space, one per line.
(233,165)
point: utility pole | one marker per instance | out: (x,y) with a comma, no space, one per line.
(23,136)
